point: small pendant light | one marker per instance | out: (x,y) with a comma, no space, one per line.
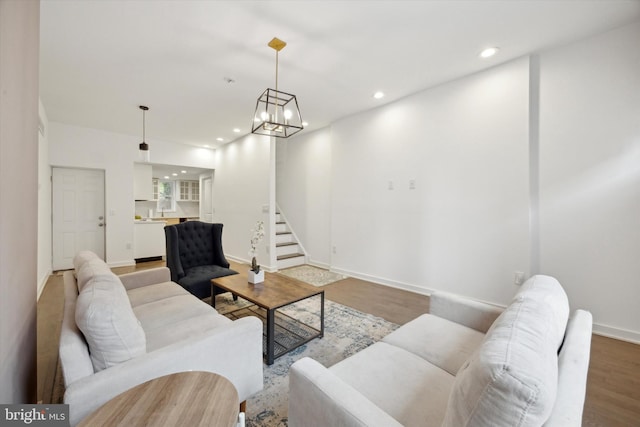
(144,154)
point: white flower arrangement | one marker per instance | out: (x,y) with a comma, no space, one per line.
(257,236)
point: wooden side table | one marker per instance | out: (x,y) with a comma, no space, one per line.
(184,398)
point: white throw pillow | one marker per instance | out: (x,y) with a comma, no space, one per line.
(89,269)
(81,257)
(512,379)
(548,290)
(105,317)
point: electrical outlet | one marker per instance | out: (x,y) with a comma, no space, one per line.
(333,249)
(518,278)
(128,245)
(412,184)
(390,185)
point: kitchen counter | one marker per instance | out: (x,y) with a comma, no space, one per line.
(149,221)
(174,220)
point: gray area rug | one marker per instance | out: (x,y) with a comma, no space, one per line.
(346,332)
(312,275)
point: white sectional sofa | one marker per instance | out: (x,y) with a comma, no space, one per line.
(465,363)
(120,331)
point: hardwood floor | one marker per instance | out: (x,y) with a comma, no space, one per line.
(395,305)
(613,385)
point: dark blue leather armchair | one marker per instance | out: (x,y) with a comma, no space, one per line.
(195,256)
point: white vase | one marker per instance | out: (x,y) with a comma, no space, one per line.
(255,277)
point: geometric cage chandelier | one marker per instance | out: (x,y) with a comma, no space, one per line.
(277,113)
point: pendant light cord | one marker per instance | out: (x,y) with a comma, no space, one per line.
(143,126)
(277,51)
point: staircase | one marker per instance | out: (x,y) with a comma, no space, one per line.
(288,252)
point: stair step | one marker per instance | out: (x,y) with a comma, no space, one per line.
(287,248)
(285,244)
(285,238)
(281,257)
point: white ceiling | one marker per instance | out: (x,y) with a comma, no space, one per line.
(100,60)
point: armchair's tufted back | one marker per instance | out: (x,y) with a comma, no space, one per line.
(191,244)
(195,243)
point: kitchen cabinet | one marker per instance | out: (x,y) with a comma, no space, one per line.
(155,182)
(189,191)
(195,191)
(148,239)
(142,182)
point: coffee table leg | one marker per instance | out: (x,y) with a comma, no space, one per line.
(271,332)
(213,295)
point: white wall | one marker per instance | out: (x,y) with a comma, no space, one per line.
(590,176)
(303,190)
(19,48)
(488,155)
(77,147)
(44,202)
(464,228)
(242,195)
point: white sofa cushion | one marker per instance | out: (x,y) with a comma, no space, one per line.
(106,319)
(156,292)
(408,388)
(442,342)
(512,378)
(175,317)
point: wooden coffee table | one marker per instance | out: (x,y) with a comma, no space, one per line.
(277,291)
(183,398)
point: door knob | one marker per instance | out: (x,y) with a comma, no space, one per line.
(101,225)
(100,217)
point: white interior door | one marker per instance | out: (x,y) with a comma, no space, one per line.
(78,214)
(206,198)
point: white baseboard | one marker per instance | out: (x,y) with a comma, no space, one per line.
(383,281)
(267,268)
(319,264)
(598,329)
(125,263)
(616,333)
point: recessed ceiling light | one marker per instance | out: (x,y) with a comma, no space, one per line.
(166,177)
(236,130)
(174,174)
(205,146)
(378,95)
(183,171)
(305,124)
(220,139)
(489,52)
